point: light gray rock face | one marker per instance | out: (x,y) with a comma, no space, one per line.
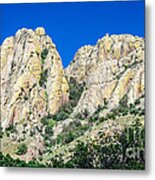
(32,77)
(111,69)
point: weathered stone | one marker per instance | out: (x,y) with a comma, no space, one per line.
(32,77)
(114,67)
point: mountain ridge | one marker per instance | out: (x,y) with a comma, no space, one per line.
(47,108)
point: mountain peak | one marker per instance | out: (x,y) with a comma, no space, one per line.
(31,77)
(111,69)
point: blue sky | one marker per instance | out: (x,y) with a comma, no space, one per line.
(72,25)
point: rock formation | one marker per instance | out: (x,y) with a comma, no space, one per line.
(46,110)
(33,84)
(111,69)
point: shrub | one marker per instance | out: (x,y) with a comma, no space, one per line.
(22,149)
(43,78)
(61,115)
(44,54)
(11,129)
(1,132)
(137,102)
(142,112)
(26,98)
(70,135)
(44,120)
(49,130)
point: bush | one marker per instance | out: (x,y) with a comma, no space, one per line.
(49,131)
(69,136)
(22,149)
(26,98)
(43,78)
(44,120)
(1,132)
(11,129)
(44,54)
(61,115)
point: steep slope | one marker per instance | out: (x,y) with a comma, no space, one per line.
(33,84)
(111,69)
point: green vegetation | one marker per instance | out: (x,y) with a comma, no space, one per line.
(95,116)
(43,78)
(10,129)
(126,153)
(73,132)
(122,110)
(26,98)
(68,136)
(75,94)
(75,91)
(22,149)
(63,112)
(7,161)
(1,132)
(48,123)
(44,54)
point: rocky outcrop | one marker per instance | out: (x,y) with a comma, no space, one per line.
(49,109)
(33,84)
(111,69)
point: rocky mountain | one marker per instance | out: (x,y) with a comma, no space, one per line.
(111,69)
(47,110)
(33,83)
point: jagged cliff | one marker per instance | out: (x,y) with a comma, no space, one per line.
(49,109)
(111,69)
(33,84)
